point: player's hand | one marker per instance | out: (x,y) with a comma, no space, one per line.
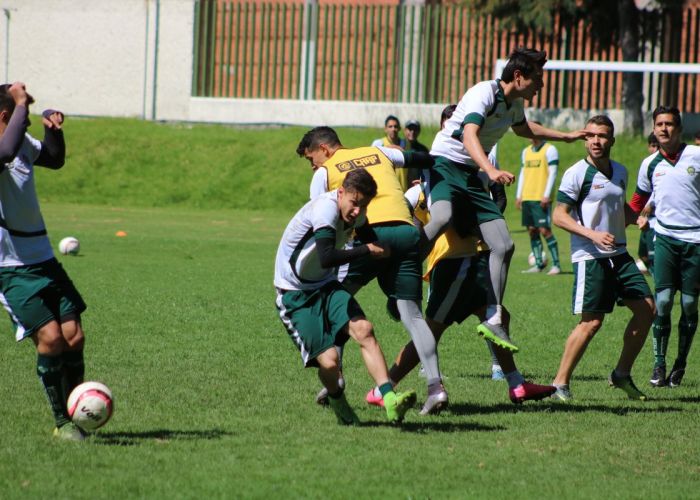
(575,136)
(603,240)
(18,91)
(646,211)
(643,222)
(501,177)
(545,201)
(377,251)
(519,203)
(52,119)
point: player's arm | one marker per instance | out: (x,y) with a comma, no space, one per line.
(552,166)
(53,147)
(471,143)
(319,183)
(408,159)
(520,185)
(562,218)
(531,130)
(11,139)
(331,257)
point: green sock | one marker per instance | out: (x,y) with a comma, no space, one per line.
(536,245)
(686,331)
(386,388)
(553,249)
(73,370)
(50,372)
(661,331)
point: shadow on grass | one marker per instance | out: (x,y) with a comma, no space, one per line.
(156,436)
(558,407)
(424,427)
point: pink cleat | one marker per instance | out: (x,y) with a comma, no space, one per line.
(528,391)
(373,399)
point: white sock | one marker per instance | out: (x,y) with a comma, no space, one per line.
(493,313)
(514,378)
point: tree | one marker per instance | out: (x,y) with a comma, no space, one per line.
(623,27)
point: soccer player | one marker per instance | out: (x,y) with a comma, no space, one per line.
(538,172)
(457,269)
(672,176)
(392,127)
(316,310)
(408,176)
(646,238)
(40,298)
(400,276)
(591,206)
(481,118)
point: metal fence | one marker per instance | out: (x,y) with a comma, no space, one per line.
(408,53)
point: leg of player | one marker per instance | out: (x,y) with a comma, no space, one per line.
(73,359)
(497,237)
(396,405)
(440,215)
(661,331)
(687,326)
(635,335)
(551,241)
(328,372)
(50,346)
(537,250)
(574,348)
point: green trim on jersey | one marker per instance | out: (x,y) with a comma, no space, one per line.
(565,199)
(324,233)
(554,162)
(591,172)
(295,254)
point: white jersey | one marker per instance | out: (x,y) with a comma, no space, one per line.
(676,191)
(297,266)
(23,238)
(484,104)
(598,203)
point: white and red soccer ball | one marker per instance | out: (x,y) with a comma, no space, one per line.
(69,246)
(90,405)
(531,259)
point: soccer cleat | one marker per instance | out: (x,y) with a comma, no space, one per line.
(435,403)
(626,384)
(562,393)
(322,396)
(554,270)
(342,410)
(397,404)
(675,378)
(528,391)
(658,376)
(373,399)
(533,269)
(496,334)
(497,373)
(69,432)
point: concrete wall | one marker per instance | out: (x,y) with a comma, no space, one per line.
(133,58)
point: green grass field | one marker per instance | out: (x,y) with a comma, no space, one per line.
(211,399)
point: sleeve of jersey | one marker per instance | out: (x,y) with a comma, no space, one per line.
(11,139)
(569,189)
(477,102)
(395,156)
(644,186)
(319,183)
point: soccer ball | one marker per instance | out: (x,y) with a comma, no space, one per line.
(531,259)
(90,405)
(69,246)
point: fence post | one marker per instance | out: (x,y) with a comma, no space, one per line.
(307,66)
(412,61)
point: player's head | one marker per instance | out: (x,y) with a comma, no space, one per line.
(600,137)
(318,145)
(7,102)
(667,127)
(525,69)
(354,195)
(652,143)
(392,125)
(412,130)
(447,114)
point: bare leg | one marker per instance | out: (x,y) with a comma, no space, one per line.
(636,333)
(362,332)
(576,345)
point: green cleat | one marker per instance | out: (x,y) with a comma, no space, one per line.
(342,411)
(397,404)
(69,432)
(626,384)
(498,335)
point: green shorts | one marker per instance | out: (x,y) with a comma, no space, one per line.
(399,275)
(35,294)
(457,289)
(676,265)
(599,283)
(461,185)
(536,216)
(315,319)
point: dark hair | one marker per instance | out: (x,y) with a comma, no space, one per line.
(667,110)
(390,118)
(652,140)
(447,113)
(524,59)
(315,137)
(604,121)
(360,181)
(7,102)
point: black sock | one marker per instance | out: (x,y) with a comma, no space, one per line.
(50,372)
(73,370)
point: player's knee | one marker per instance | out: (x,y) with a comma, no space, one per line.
(362,330)
(51,342)
(664,302)
(592,326)
(689,304)
(329,360)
